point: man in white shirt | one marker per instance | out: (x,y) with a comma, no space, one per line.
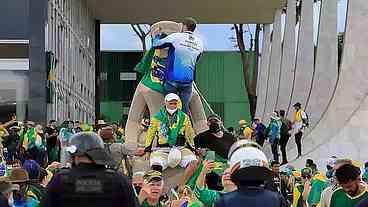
(185,49)
(300,123)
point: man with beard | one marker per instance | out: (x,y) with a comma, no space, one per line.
(351,190)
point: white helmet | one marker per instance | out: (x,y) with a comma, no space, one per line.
(174,157)
(248,162)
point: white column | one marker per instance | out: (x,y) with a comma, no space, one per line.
(305,56)
(274,68)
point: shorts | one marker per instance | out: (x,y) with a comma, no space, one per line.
(159,157)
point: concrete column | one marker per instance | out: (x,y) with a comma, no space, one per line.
(326,71)
(288,58)
(305,57)
(342,130)
(274,68)
(263,73)
(21,97)
(37,110)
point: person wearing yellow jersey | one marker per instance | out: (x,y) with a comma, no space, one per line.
(299,126)
(175,133)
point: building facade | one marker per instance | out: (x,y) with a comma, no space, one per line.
(47,60)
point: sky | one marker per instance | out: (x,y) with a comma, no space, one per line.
(216,37)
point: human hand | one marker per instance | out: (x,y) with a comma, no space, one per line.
(143,194)
(155,32)
(208,166)
(139,152)
(201,152)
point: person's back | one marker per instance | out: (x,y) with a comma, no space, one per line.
(251,196)
(88,182)
(184,51)
(90,185)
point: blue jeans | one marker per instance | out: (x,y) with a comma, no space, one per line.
(183,90)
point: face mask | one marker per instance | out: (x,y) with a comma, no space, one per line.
(215,127)
(171,111)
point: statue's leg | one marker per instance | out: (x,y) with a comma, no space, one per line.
(135,117)
(198,114)
(153,99)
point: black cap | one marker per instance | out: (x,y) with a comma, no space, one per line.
(297,104)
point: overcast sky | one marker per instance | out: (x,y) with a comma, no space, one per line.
(216,37)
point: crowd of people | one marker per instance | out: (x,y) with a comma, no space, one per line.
(77,164)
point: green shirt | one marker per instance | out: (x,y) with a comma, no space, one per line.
(221,165)
(144,67)
(319,183)
(341,199)
(207,196)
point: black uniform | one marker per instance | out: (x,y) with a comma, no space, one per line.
(89,185)
(251,196)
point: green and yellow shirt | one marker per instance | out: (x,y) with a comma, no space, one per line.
(341,199)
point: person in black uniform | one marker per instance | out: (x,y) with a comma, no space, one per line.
(89,182)
(249,171)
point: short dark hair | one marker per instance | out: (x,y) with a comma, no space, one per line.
(309,162)
(366,164)
(230,129)
(298,104)
(43,174)
(274,162)
(52,121)
(191,23)
(346,173)
(282,113)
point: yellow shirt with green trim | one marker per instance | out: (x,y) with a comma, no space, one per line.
(155,130)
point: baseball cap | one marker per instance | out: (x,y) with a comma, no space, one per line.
(297,104)
(171,96)
(152,176)
(242,122)
(214,117)
(91,145)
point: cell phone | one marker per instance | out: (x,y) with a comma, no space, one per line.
(210,156)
